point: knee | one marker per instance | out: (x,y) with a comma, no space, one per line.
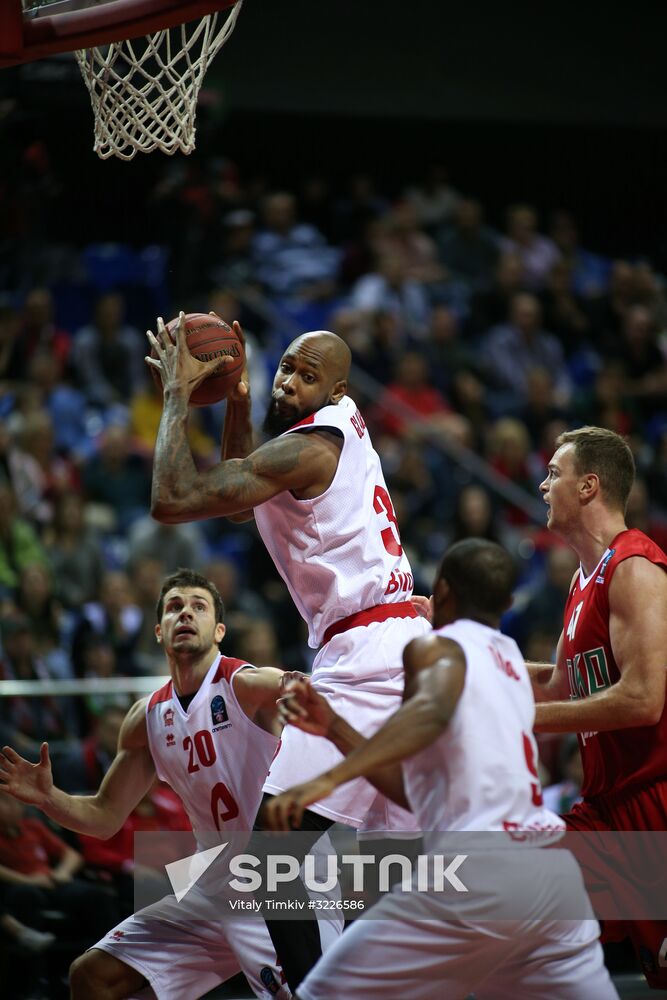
(98,975)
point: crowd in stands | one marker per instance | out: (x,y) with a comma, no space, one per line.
(464,336)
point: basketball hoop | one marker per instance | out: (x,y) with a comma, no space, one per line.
(144,91)
(143,61)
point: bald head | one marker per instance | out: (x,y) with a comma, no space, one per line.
(312,373)
(330,349)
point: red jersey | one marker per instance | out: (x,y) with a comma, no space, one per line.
(620,758)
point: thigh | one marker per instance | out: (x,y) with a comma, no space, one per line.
(98,970)
(561,959)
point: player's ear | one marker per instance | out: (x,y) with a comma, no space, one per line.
(158,633)
(338,391)
(220,630)
(589,486)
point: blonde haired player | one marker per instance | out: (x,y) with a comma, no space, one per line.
(463,737)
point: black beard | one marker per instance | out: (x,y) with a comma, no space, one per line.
(275,423)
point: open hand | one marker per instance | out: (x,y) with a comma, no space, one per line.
(303,707)
(179,371)
(32,783)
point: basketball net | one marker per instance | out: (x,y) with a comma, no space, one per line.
(144,91)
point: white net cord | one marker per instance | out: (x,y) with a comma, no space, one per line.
(144,91)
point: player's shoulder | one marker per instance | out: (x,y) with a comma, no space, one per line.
(633,542)
(425,650)
(134,731)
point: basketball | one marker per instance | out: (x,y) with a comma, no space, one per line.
(210,337)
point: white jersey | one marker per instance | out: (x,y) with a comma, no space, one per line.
(339,553)
(212,755)
(481,773)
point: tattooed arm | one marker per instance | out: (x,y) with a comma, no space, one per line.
(300,462)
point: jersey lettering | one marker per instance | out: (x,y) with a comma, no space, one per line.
(503,664)
(400,581)
(592,677)
(531,762)
(223,805)
(358,423)
(382,505)
(572,627)
(201,746)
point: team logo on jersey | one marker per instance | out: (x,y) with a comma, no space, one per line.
(218,710)
(603,566)
(171,740)
(169,717)
(117,935)
(268,978)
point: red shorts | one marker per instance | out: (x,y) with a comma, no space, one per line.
(643,808)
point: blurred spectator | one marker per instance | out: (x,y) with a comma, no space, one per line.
(564,313)
(114,618)
(99,661)
(562,795)
(608,311)
(19,542)
(258,644)
(434,200)
(40,718)
(538,253)
(21,472)
(73,552)
(242,605)
(639,514)
(292,258)
(388,289)
(589,271)
(607,403)
(360,205)
(65,405)
(541,406)
(656,475)
(509,454)
(638,353)
(80,768)
(11,359)
(469,248)
(108,355)
(36,599)
(542,607)
(411,397)
(400,235)
(474,517)
(172,544)
(38,873)
(56,474)
(516,348)
(118,477)
(235,268)
(492,307)
(146,576)
(38,330)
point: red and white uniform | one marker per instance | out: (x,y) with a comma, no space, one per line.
(340,555)
(479,775)
(625,770)
(216,759)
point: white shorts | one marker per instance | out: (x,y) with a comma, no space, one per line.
(360,673)
(407,947)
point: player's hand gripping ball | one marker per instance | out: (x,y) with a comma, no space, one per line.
(209,337)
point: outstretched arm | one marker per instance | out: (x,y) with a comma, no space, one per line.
(100,815)
(549,680)
(237,433)
(437,666)
(638,635)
